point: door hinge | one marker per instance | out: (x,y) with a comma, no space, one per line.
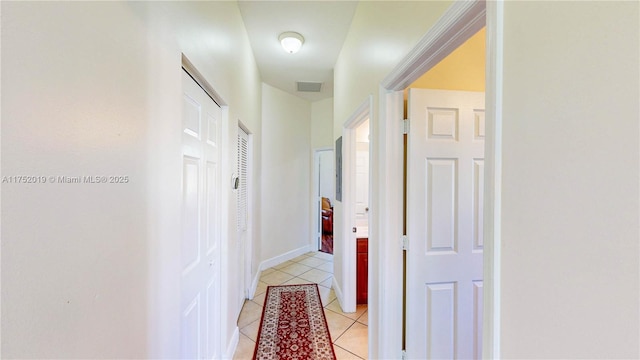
(404,354)
(405,242)
(405,126)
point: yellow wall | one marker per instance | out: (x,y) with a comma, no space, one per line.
(463,69)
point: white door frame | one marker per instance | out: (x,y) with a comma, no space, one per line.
(362,113)
(457,24)
(314,242)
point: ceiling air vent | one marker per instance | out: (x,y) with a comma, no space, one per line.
(308,86)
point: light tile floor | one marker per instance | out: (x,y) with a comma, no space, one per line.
(348,330)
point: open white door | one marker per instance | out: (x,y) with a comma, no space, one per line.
(444,260)
(200,243)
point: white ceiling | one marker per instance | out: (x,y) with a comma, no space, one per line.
(324,26)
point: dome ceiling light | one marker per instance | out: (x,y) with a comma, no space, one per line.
(291,41)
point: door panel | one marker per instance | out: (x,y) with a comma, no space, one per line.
(200,243)
(444,260)
(441,327)
(441,204)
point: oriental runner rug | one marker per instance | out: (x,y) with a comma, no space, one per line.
(293,325)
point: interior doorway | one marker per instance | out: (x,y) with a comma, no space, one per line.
(361,208)
(355,217)
(458,23)
(324,198)
(353,255)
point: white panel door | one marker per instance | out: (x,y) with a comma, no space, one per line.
(200,243)
(444,260)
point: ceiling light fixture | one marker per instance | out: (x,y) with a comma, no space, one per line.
(291,41)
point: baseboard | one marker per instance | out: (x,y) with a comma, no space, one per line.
(324,256)
(254,285)
(338,291)
(275,261)
(233,345)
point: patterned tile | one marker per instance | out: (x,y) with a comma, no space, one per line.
(295,269)
(284,264)
(335,306)
(355,340)
(245,348)
(315,275)
(337,323)
(311,261)
(342,354)
(328,267)
(259,299)
(300,258)
(364,319)
(297,281)
(250,313)
(261,288)
(276,278)
(325,294)
(267,272)
(251,330)
(327,283)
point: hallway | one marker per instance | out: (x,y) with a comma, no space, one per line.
(348,330)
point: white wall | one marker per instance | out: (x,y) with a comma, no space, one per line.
(327,175)
(91,271)
(322,123)
(570,250)
(321,138)
(381,34)
(285,172)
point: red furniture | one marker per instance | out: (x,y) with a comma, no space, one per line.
(362,278)
(327,216)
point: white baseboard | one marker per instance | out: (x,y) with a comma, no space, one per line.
(324,256)
(338,291)
(233,344)
(254,285)
(275,261)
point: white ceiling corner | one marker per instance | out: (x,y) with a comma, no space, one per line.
(324,26)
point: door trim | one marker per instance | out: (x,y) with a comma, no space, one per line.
(456,25)
(348,245)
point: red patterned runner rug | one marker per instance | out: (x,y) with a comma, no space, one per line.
(293,325)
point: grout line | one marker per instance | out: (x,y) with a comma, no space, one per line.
(345,331)
(346,350)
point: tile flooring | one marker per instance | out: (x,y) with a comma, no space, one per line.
(348,330)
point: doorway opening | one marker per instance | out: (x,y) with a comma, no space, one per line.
(458,23)
(351,258)
(324,198)
(361,208)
